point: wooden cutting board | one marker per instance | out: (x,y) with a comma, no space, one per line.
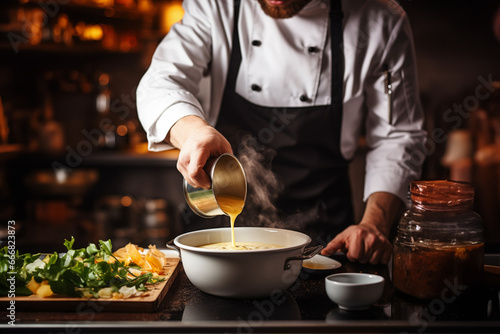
(148,303)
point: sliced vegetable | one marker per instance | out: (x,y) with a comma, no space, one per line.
(87,272)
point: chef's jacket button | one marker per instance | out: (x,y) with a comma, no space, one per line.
(312,49)
(303,98)
(256,43)
(256,88)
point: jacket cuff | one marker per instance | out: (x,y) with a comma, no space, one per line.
(156,136)
(390,183)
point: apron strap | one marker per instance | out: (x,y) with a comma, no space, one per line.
(235,59)
(316,195)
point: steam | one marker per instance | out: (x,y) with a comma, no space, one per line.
(263,186)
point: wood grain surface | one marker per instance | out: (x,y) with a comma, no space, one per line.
(147,303)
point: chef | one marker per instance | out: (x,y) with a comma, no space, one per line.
(304,78)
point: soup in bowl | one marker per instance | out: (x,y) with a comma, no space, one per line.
(242,273)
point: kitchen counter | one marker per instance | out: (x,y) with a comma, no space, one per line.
(304,308)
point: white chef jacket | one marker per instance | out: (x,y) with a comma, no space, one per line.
(188,73)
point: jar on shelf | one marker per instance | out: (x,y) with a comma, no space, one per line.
(439,247)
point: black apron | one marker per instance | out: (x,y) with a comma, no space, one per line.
(302,148)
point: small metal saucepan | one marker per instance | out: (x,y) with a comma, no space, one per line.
(228,179)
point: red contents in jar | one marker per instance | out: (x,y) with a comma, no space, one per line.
(431,271)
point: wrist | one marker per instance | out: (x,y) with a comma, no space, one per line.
(375,224)
(183,128)
(382,210)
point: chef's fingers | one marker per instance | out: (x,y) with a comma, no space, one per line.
(336,245)
(360,245)
(195,169)
(191,164)
(198,178)
(225,146)
(182,163)
(379,249)
(356,250)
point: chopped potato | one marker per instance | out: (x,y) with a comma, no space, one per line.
(33,285)
(105,293)
(44,291)
(87,294)
(117,295)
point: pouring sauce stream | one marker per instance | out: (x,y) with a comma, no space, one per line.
(232,206)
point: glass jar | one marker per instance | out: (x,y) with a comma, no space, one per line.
(439,247)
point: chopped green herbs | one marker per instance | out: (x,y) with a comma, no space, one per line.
(76,273)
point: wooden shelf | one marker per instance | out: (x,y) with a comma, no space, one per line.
(10,151)
(106,12)
(78,49)
(123,20)
(132,158)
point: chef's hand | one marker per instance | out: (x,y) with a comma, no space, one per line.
(368,241)
(363,243)
(197,142)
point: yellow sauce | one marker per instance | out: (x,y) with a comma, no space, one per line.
(239,246)
(232,206)
(314,266)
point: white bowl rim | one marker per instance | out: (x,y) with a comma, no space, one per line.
(182,246)
(377,279)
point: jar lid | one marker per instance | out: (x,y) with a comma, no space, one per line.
(442,194)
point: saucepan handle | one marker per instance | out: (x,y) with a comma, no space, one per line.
(307,254)
(172,246)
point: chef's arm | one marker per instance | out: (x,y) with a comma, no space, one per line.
(382,210)
(368,241)
(396,139)
(197,142)
(172,88)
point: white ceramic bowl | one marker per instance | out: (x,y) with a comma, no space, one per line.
(354,291)
(242,273)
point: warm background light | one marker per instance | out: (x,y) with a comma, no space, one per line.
(126,201)
(172,12)
(93,32)
(121,130)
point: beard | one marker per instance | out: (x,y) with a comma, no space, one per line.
(289,9)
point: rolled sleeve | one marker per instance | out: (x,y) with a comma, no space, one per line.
(383,182)
(396,148)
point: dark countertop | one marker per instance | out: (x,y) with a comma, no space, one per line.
(304,308)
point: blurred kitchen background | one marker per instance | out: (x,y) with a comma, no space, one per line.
(73,156)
